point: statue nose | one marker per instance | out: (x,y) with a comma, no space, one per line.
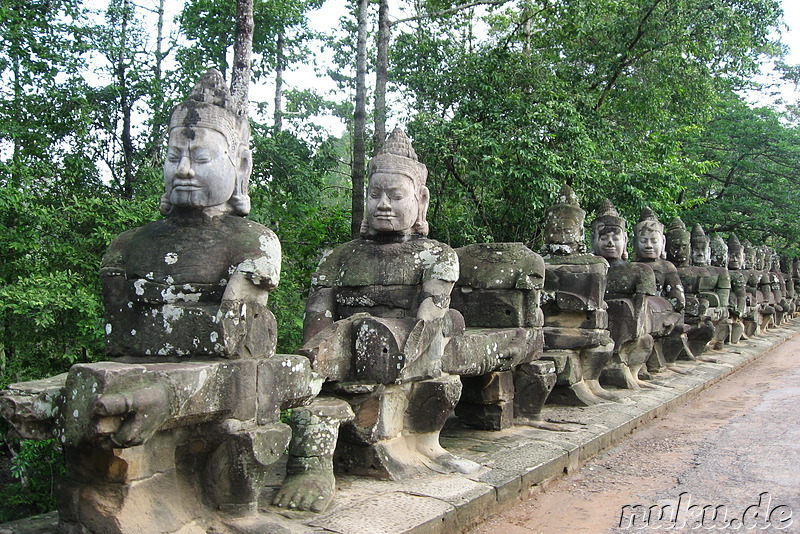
(185,167)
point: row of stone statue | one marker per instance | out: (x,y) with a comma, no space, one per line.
(182,429)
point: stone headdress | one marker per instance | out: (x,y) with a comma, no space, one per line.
(607,216)
(566,207)
(734,245)
(677,228)
(397,156)
(210,105)
(648,221)
(698,232)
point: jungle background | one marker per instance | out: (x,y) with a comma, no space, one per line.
(657,103)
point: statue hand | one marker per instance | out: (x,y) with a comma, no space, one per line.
(131,418)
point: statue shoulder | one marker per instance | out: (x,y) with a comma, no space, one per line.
(116,254)
(440,260)
(257,251)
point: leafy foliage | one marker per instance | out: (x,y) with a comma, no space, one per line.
(601,95)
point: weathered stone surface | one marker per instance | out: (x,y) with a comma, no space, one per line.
(484,350)
(284,381)
(499,285)
(32,407)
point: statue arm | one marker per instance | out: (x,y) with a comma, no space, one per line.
(113,272)
(319,313)
(436,299)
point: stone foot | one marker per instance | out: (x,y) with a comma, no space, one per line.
(543,425)
(436,458)
(585,395)
(309,485)
(676,369)
(597,389)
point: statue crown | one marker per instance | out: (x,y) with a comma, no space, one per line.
(210,105)
(607,215)
(677,224)
(734,244)
(398,156)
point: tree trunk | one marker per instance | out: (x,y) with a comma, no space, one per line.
(126,106)
(158,102)
(381,74)
(242,50)
(359,122)
(279,83)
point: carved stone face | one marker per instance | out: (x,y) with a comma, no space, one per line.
(563,228)
(796,269)
(776,263)
(701,251)
(760,258)
(392,204)
(649,244)
(736,259)
(679,248)
(199,171)
(719,255)
(610,243)
(749,258)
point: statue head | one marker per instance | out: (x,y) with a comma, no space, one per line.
(736,254)
(719,251)
(786,264)
(208,160)
(609,237)
(749,255)
(701,248)
(776,260)
(796,268)
(397,197)
(679,243)
(761,258)
(649,237)
(563,225)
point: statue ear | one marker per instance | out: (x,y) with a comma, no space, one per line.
(240,201)
(423,199)
(244,162)
(663,247)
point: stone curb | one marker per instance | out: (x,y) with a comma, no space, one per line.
(514,462)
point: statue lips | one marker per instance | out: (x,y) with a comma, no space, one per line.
(185,185)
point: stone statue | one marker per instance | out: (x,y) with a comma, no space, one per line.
(795,280)
(649,249)
(764,264)
(760,280)
(713,285)
(696,313)
(575,317)
(787,285)
(182,428)
(498,293)
(719,264)
(629,291)
(741,304)
(778,284)
(377,322)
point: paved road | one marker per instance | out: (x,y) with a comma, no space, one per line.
(733,451)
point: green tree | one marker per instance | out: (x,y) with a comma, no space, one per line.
(598,94)
(752,186)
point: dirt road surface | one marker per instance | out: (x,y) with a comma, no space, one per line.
(734,449)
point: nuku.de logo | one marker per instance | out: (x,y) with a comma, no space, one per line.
(683,514)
